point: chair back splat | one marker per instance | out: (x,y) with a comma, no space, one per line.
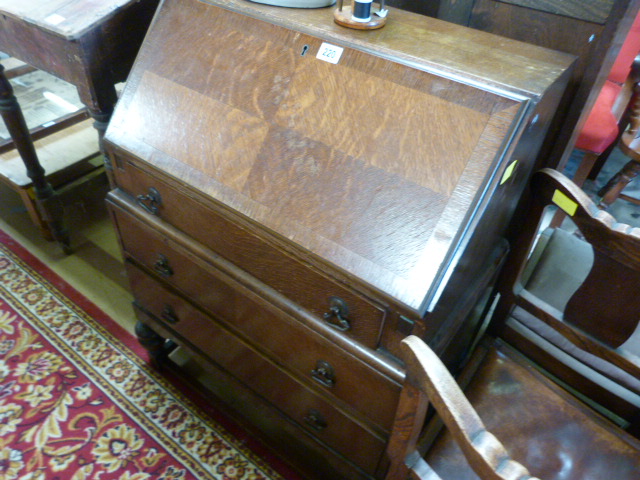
(607,304)
(570,297)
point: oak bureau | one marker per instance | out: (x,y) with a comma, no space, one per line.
(293,198)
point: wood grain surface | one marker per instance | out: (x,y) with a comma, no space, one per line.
(68,18)
(372,165)
(595,11)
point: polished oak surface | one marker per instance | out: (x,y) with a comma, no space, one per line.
(63,17)
(288,220)
(382,163)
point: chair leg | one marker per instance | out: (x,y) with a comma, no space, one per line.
(611,191)
(585,167)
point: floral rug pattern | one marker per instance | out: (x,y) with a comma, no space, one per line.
(76,404)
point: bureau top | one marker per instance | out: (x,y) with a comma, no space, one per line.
(428,43)
(376,162)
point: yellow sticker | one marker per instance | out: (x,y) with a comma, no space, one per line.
(508,171)
(565,203)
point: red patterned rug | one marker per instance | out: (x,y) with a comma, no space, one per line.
(77,402)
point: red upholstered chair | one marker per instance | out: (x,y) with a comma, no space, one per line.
(602,128)
(629,145)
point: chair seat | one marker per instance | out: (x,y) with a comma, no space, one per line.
(540,425)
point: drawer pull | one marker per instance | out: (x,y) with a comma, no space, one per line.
(151,201)
(315,420)
(324,374)
(162,266)
(336,316)
(169,315)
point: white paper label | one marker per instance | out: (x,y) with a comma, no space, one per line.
(329,53)
(55,19)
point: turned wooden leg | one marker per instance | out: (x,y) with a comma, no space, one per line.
(611,191)
(49,204)
(153,343)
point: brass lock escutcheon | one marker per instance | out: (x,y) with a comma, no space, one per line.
(315,420)
(151,201)
(336,317)
(169,315)
(324,374)
(162,266)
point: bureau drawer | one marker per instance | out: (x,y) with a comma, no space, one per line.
(302,283)
(314,357)
(195,329)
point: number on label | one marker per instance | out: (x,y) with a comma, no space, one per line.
(329,53)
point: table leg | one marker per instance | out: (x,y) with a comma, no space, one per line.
(100,122)
(48,202)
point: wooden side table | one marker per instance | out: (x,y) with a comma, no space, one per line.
(90,44)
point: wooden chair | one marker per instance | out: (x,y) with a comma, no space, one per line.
(541,426)
(629,144)
(571,300)
(610,113)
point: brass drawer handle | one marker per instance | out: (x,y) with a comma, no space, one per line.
(169,315)
(324,374)
(151,201)
(315,420)
(162,266)
(336,316)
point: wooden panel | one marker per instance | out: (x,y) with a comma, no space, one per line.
(264,377)
(456,11)
(423,8)
(590,10)
(538,27)
(260,322)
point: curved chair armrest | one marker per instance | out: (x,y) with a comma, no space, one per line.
(484,452)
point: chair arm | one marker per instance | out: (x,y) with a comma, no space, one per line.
(484,452)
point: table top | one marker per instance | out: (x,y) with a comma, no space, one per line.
(68,18)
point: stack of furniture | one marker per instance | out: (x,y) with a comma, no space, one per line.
(569,300)
(293,198)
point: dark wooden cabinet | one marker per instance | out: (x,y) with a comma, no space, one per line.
(293,198)
(592,30)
